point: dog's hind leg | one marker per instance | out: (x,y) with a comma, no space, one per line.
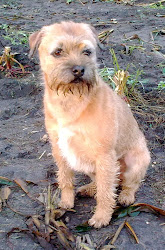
(136,162)
(87,190)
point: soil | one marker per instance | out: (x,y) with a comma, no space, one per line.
(23,152)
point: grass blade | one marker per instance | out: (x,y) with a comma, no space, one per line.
(132,231)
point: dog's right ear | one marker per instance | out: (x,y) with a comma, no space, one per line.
(34,42)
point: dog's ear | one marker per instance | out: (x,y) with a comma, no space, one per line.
(96,37)
(34,42)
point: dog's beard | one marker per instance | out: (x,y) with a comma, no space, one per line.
(78,86)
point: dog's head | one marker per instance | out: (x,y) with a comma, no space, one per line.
(67,54)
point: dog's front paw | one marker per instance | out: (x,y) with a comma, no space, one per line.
(126,198)
(67,204)
(99,220)
(67,199)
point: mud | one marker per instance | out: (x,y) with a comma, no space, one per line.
(23,153)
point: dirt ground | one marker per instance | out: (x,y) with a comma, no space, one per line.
(23,153)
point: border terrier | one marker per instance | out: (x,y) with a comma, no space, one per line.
(91,129)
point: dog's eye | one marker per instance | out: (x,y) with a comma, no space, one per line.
(57,52)
(87,52)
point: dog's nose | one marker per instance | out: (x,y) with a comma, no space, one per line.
(78,71)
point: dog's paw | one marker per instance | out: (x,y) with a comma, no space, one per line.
(67,204)
(126,198)
(67,198)
(99,220)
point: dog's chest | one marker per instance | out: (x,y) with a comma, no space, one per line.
(70,154)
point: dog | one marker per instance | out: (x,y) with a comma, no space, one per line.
(91,129)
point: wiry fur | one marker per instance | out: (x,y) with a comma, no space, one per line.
(91,129)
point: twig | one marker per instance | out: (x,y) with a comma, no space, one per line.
(17,212)
(117,233)
(42,155)
(48,207)
(81,2)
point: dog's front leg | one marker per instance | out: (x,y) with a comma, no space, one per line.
(65,180)
(106,180)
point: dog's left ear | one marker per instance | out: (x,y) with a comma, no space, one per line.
(34,42)
(96,37)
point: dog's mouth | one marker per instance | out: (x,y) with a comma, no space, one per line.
(77,86)
(77,80)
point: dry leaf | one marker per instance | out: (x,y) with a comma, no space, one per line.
(104,35)
(17,230)
(135,36)
(63,228)
(145,207)
(0,204)
(22,184)
(85,246)
(84,242)
(108,247)
(36,221)
(7,60)
(57,213)
(63,240)
(42,198)
(120,80)
(4,193)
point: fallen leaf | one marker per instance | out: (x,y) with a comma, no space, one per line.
(85,246)
(4,193)
(120,79)
(108,247)
(63,240)
(83,227)
(57,213)
(147,207)
(123,213)
(36,221)
(22,184)
(133,214)
(135,210)
(63,228)
(135,36)
(84,242)
(5,181)
(17,230)
(1,204)
(42,198)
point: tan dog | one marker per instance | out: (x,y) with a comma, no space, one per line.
(91,129)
